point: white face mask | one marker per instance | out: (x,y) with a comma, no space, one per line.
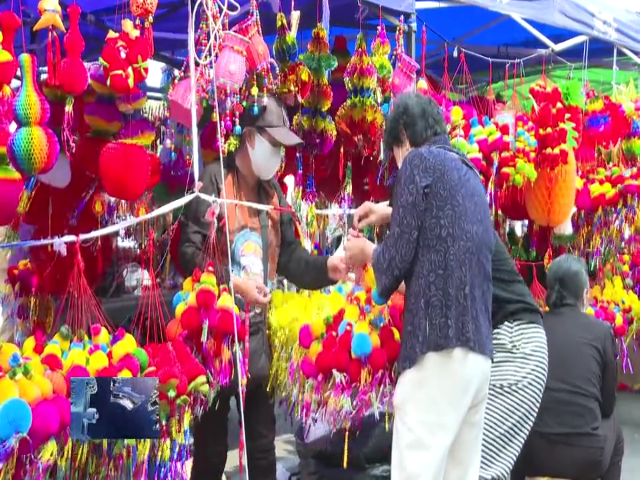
(265,158)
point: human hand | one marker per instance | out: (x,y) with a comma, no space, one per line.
(253,292)
(337,268)
(358,251)
(369,214)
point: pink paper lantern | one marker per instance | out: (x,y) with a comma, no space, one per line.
(180,103)
(231,65)
(404,75)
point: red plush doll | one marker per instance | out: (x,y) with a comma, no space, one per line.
(138,58)
(116,67)
(75,77)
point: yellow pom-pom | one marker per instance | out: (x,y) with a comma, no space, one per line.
(97,361)
(317,327)
(8,389)
(315,349)
(361,327)
(187,285)
(191,301)
(34,362)
(619,320)
(28,391)
(590,311)
(456,115)
(52,349)
(125,373)
(375,340)
(44,385)
(352,313)
(6,350)
(118,351)
(179,309)
(76,356)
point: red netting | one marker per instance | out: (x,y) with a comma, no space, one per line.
(151,316)
(80,308)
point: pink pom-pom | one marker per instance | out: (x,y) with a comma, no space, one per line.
(63,407)
(305,336)
(46,423)
(76,371)
(308,368)
(131,363)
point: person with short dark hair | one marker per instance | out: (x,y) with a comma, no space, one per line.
(440,245)
(262,243)
(576,434)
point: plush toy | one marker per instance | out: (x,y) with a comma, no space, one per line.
(117,69)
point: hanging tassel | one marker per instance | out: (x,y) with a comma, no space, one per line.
(148,35)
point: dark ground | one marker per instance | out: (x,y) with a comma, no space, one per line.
(628,415)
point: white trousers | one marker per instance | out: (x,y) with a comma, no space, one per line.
(439,415)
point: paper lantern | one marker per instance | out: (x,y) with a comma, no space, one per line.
(130,103)
(98,80)
(231,65)
(404,75)
(11,186)
(139,131)
(103,117)
(154,171)
(125,169)
(180,103)
(552,196)
(87,153)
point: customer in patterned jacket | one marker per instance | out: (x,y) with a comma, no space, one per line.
(440,245)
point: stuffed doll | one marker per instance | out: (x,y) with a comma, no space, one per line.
(117,70)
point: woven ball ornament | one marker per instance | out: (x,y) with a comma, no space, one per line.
(33,150)
(87,153)
(11,185)
(140,131)
(125,170)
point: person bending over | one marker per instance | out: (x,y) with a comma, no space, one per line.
(575,434)
(262,244)
(440,245)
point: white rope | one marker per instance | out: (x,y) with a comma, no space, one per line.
(214,34)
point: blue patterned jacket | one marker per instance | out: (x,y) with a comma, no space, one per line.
(440,244)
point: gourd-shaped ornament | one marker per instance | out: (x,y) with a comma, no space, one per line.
(75,77)
(33,148)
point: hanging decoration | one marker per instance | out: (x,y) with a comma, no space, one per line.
(341,51)
(74,75)
(404,73)
(51,19)
(33,148)
(294,78)
(145,10)
(314,124)
(380,51)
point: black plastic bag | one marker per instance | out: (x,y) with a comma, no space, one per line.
(369,451)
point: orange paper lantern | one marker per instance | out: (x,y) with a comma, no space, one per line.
(552,196)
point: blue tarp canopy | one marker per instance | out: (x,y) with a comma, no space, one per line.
(171,20)
(517,29)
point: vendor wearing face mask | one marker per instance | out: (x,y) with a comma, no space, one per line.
(262,244)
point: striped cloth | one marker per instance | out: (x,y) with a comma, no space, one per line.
(518,378)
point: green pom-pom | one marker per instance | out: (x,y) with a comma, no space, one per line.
(142,357)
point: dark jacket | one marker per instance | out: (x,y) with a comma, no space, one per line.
(440,244)
(294,263)
(512,300)
(583,375)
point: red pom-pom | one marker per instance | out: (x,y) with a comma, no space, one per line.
(341,360)
(355,371)
(344,341)
(52,362)
(182,387)
(324,362)
(377,360)
(190,319)
(386,335)
(330,342)
(116,159)
(392,349)
(206,298)
(107,372)
(242,330)
(224,323)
